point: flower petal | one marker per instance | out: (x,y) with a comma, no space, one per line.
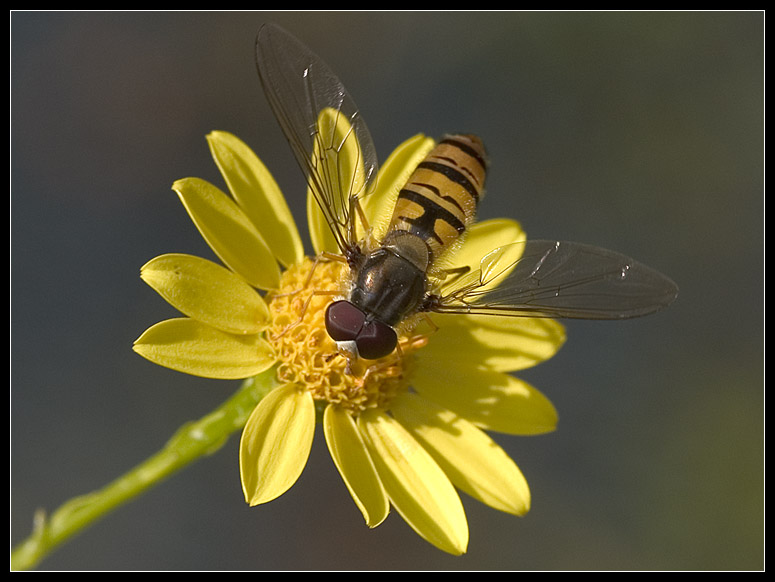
(491,400)
(207,292)
(275,443)
(416,486)
(392,176)
(482,238)
(355,465)
(471,459)
(259,196)
(229,232)
(340,158)
(499,343)
(189,346)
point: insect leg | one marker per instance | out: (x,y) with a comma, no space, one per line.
(304,307)
(388,368)
(357,210)
(453,273)
(323,257)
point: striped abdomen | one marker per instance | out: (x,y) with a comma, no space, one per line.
(440,199)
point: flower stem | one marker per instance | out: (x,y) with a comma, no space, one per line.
(193,440)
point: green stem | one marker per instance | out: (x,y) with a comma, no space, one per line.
(193,440)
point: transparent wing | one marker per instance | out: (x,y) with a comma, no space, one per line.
(322,124)
(538,278)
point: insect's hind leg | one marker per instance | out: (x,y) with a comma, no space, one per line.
(452,274)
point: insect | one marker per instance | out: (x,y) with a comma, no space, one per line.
(389,277)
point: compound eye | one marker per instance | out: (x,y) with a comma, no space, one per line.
(344,321)
(376,340)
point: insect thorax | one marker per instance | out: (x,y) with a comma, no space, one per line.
(391,282)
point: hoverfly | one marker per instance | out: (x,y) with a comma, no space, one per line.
(389,278)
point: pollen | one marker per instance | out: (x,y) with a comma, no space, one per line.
(308,357)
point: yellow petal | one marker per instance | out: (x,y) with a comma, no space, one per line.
(416,486)
(340,165)
(207,292)
(392,176)
(229,232)
(481,240)
(259,196)
(355,465)
(275,443)
(189,346)
(471,459)
(491,400)
(499,343)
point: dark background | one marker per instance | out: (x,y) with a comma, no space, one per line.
(641,132)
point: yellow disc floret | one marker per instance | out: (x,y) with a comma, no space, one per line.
(308,357)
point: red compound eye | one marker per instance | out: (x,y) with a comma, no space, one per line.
(345,322)
(376,340)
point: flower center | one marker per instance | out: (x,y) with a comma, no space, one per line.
(308,357)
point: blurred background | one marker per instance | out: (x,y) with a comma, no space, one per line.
(641,132)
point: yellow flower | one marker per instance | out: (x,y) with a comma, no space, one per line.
(407,430)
